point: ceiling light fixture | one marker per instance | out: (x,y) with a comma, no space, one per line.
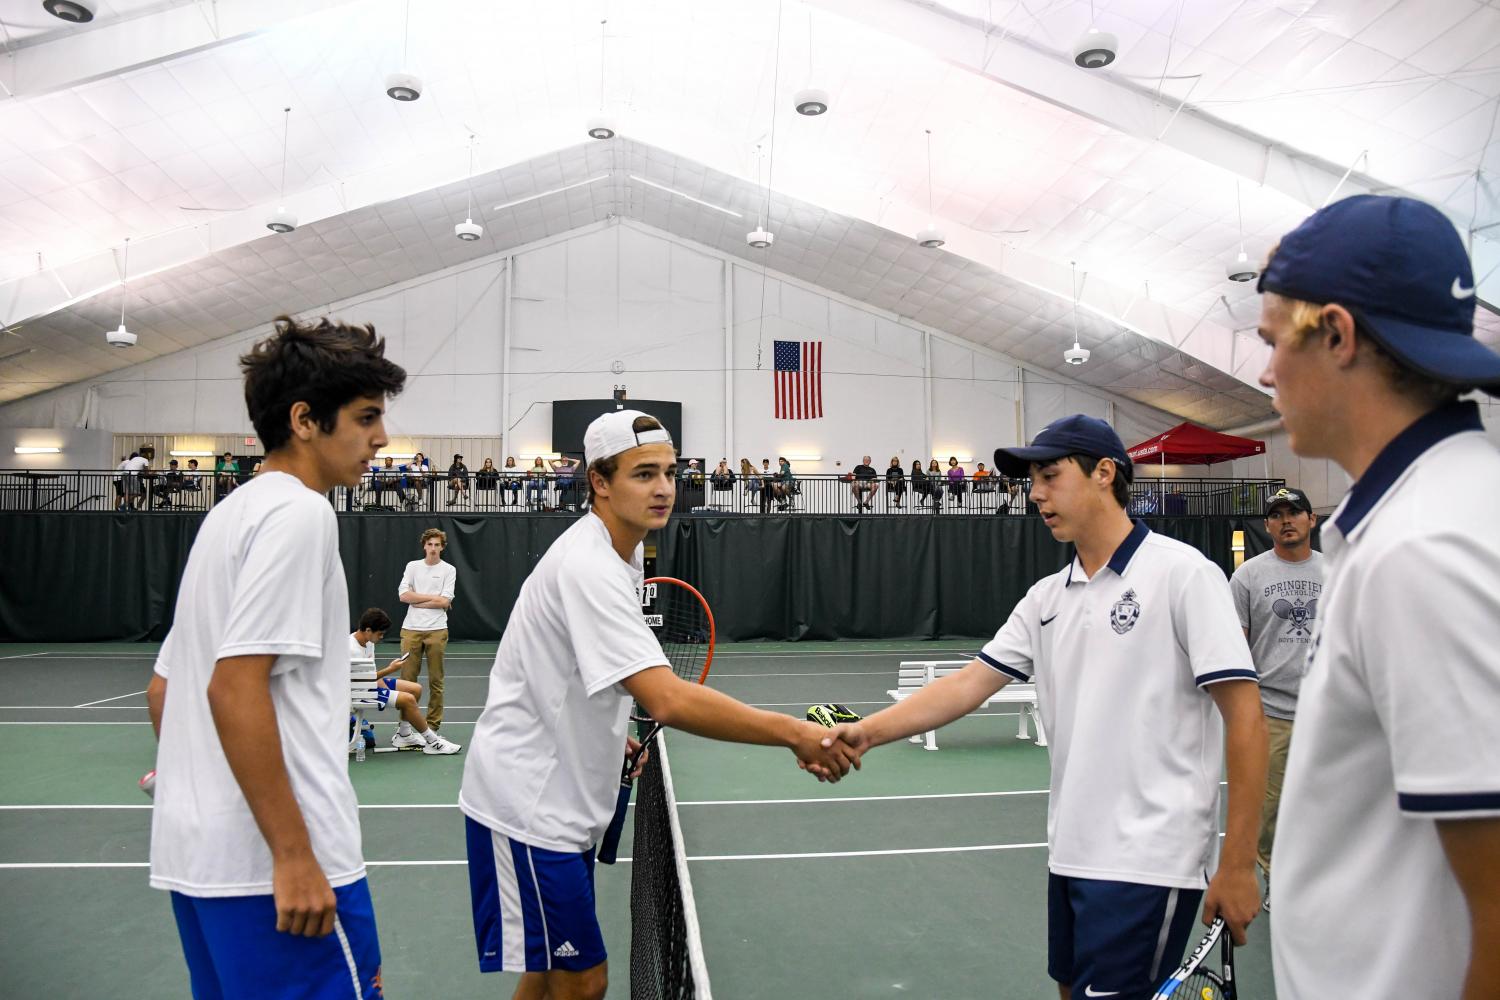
(600,126)
(1239,267)
(931,237)
(682,194)
(1095,49)
(556,190)
(283,220)
(1077,354)
(35,450)
(404,86)
(469,230)
(810,101)
(760,238)
(72,11)
(122,337)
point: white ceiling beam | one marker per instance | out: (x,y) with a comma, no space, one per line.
(59,60)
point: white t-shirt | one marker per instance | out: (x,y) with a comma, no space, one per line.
(544,765)
(420,578)
(263,576)
(1395,724)
(360,650)
(1120,662)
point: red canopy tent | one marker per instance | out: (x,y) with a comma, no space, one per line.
(1189,444)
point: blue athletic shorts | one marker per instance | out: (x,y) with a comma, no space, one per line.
(234,951)
(1116,939)
(533,908)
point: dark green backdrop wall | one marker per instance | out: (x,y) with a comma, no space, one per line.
(95,577)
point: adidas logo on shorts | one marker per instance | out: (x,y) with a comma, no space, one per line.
(565,950)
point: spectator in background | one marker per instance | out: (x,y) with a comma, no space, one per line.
(536,484)
(171,483)
(920,487)
(226,474)
(935,483)
(120,482)
(1176,504)
(722,479)
(864,484)
(136,467)
(895,482)
(487,479)
(755,485)
(565,469)
(192,479)
(458,481)
(419,477)
(786,484)
(510,480)
(957,483)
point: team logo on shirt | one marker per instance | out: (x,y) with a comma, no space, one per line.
(1122,617)
(1299,614)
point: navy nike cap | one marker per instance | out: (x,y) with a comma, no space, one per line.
(1075,435)
(1399,266)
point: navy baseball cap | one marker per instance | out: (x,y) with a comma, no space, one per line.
(1398,265)
(1075,435)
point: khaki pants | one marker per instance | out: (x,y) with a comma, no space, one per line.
(433,644)
(1281,742)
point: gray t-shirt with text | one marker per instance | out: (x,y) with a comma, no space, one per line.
(1278,602)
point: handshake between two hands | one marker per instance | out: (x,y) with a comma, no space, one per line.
(830,742)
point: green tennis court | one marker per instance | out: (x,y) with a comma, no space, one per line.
(924,875)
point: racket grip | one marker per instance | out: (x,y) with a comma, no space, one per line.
(611,840)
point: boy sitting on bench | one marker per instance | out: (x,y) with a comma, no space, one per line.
(412,733)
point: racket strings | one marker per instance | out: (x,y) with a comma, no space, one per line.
(684,631)
(1201,985)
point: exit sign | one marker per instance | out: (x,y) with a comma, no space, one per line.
(249,442)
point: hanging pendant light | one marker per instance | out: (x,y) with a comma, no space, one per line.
(761,238)
(469,230)
(283,220)
(601,126)
(931,237)
(1077,354)
(404,85)
(122,337)
(1239,268)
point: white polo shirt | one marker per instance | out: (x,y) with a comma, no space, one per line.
(544,764)
(1395,727)
(263,577)
(1120,663)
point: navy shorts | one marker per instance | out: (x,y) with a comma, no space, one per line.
(1116,939)
(533,908)
(234,950)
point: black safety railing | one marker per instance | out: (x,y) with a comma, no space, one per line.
(380,492)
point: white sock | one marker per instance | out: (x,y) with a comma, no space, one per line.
(428,736)
(404,729)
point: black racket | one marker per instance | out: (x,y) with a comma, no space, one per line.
(684,626)
(1196,978)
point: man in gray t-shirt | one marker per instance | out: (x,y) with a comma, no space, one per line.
(1277,594)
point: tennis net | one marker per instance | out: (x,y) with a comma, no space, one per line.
(666,951)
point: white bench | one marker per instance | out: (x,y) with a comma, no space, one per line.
(913,675)
(363,693)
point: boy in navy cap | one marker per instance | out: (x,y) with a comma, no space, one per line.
(1387,874)
(1143,680)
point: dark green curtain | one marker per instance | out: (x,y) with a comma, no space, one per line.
(115,576)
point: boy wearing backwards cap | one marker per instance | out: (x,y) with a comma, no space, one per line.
(540,784)
(1137,656)
(1387,874)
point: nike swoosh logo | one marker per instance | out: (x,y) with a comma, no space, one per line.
(1089,991)
(1458,291)
(1048,621)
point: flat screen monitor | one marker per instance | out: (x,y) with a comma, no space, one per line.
(571,417)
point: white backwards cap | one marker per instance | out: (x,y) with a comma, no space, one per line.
(611,434)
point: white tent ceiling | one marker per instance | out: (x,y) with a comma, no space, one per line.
(162,122)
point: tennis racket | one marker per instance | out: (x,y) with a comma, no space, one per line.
(1196,978)
(684,626)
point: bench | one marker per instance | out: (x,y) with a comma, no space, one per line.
(913,675)
(364,693)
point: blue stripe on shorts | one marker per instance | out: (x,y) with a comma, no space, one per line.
(533,908)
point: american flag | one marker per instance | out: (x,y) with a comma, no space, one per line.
(799,379)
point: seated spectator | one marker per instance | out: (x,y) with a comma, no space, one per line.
(419,480)
(785,486)
(920,486)
(226,474)
(171,483)
(458,480)
(485,480)
(1176,503)
(957,480)
(864,484)
(1143,503)
(510,481)
(722,478)
(755,485)
(192,478)
(386,478)
(935,483)
(895,483)
(984,480)
(565,469)
(536,484)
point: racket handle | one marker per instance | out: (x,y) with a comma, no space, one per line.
(611,841)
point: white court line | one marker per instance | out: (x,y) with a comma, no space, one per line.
(808,654)
(115,698)
(21,656)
